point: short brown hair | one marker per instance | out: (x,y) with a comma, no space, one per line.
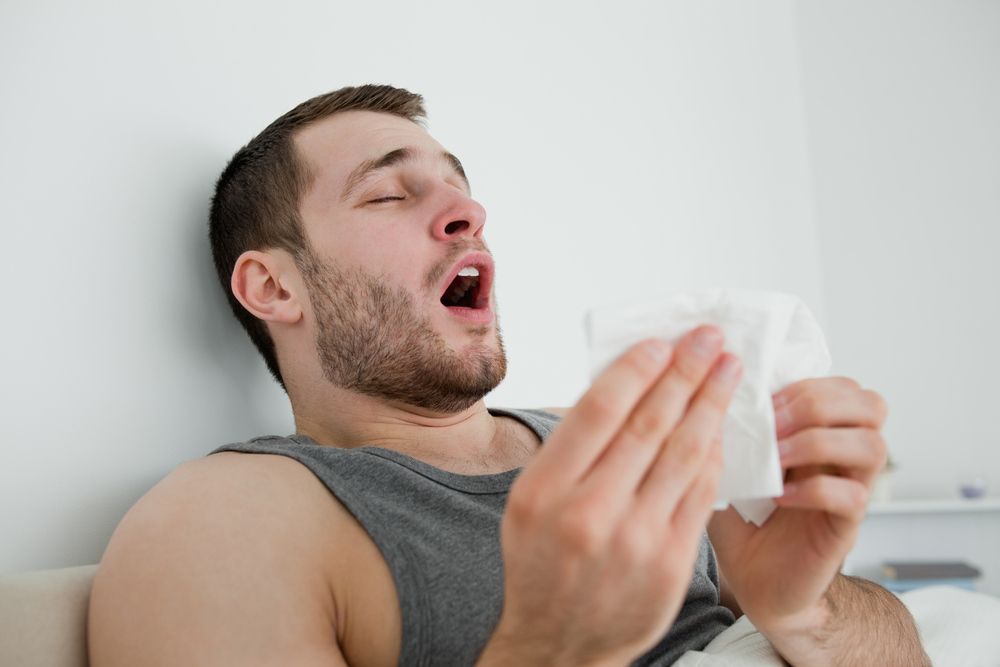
(256,201)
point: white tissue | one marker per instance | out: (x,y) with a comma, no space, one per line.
(777,339)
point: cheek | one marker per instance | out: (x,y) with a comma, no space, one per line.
(403,263)
(397,250)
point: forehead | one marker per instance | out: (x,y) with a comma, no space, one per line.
(333,147)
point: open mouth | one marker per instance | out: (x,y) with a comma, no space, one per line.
(463,292)
(469,288)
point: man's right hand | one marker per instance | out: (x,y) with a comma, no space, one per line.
(602,528)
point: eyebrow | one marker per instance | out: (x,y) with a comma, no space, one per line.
(395,157)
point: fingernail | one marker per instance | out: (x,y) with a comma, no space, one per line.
(659,350)
(778,401)
(729,368)
(782,420)
(790,489)
(707,341)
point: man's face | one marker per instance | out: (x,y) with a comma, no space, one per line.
(391,225)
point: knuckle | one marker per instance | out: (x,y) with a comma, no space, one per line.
(797,387)
(687,450)
(688,373)
(673,573)
(646,423)
(638,363)
(579,533)
(814,409)
(708,486)
(810,384)
(634,544)
(848,383)
(823,490)
(519,510)
(857,499)
(877,446)
(599,409)
(840,495)
(717,396)
(668,579)
(878,405)
(526,503)
(807,444)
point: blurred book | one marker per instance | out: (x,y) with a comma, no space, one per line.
(901,577)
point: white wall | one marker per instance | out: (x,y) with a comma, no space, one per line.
(621,153)
(903,104)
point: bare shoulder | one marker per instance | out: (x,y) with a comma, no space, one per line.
(231,558)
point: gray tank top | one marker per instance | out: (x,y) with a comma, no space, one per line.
(439,532)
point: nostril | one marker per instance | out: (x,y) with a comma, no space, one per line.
(455,227)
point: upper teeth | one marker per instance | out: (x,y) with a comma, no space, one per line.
(469,271)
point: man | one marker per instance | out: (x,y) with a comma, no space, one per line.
(396,527)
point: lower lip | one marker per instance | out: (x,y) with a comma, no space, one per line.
(472,315)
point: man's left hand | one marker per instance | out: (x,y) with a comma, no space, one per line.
(831,452)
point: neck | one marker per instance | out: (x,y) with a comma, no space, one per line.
(469,442)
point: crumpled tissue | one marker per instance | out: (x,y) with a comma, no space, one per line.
(777,339)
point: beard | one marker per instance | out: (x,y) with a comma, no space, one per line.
(372,339)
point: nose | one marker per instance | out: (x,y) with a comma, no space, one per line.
(459,216)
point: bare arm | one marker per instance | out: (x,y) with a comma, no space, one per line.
(785,574)
(860,623)
(217,565)
(864,624)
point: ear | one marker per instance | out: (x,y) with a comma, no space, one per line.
(266,283)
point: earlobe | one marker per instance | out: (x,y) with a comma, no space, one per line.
(262,282)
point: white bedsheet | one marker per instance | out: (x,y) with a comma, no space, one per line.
(959,628)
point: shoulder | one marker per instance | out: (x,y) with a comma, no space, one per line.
(230,552)
(210,501)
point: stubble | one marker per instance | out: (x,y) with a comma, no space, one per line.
(373,340)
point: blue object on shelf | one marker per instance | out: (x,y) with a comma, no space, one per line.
(973,491)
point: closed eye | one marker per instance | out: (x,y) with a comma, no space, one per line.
(379,200)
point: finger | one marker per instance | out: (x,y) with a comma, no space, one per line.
(598,416)
(680,534)
(838,496)
(829,404)
(796,389)
(687,449)
(695,508)
(793,391)
(803,472)
(627,459)
(857,452)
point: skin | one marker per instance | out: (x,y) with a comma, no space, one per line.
(247,559)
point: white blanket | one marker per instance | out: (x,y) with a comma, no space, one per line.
(959,628)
